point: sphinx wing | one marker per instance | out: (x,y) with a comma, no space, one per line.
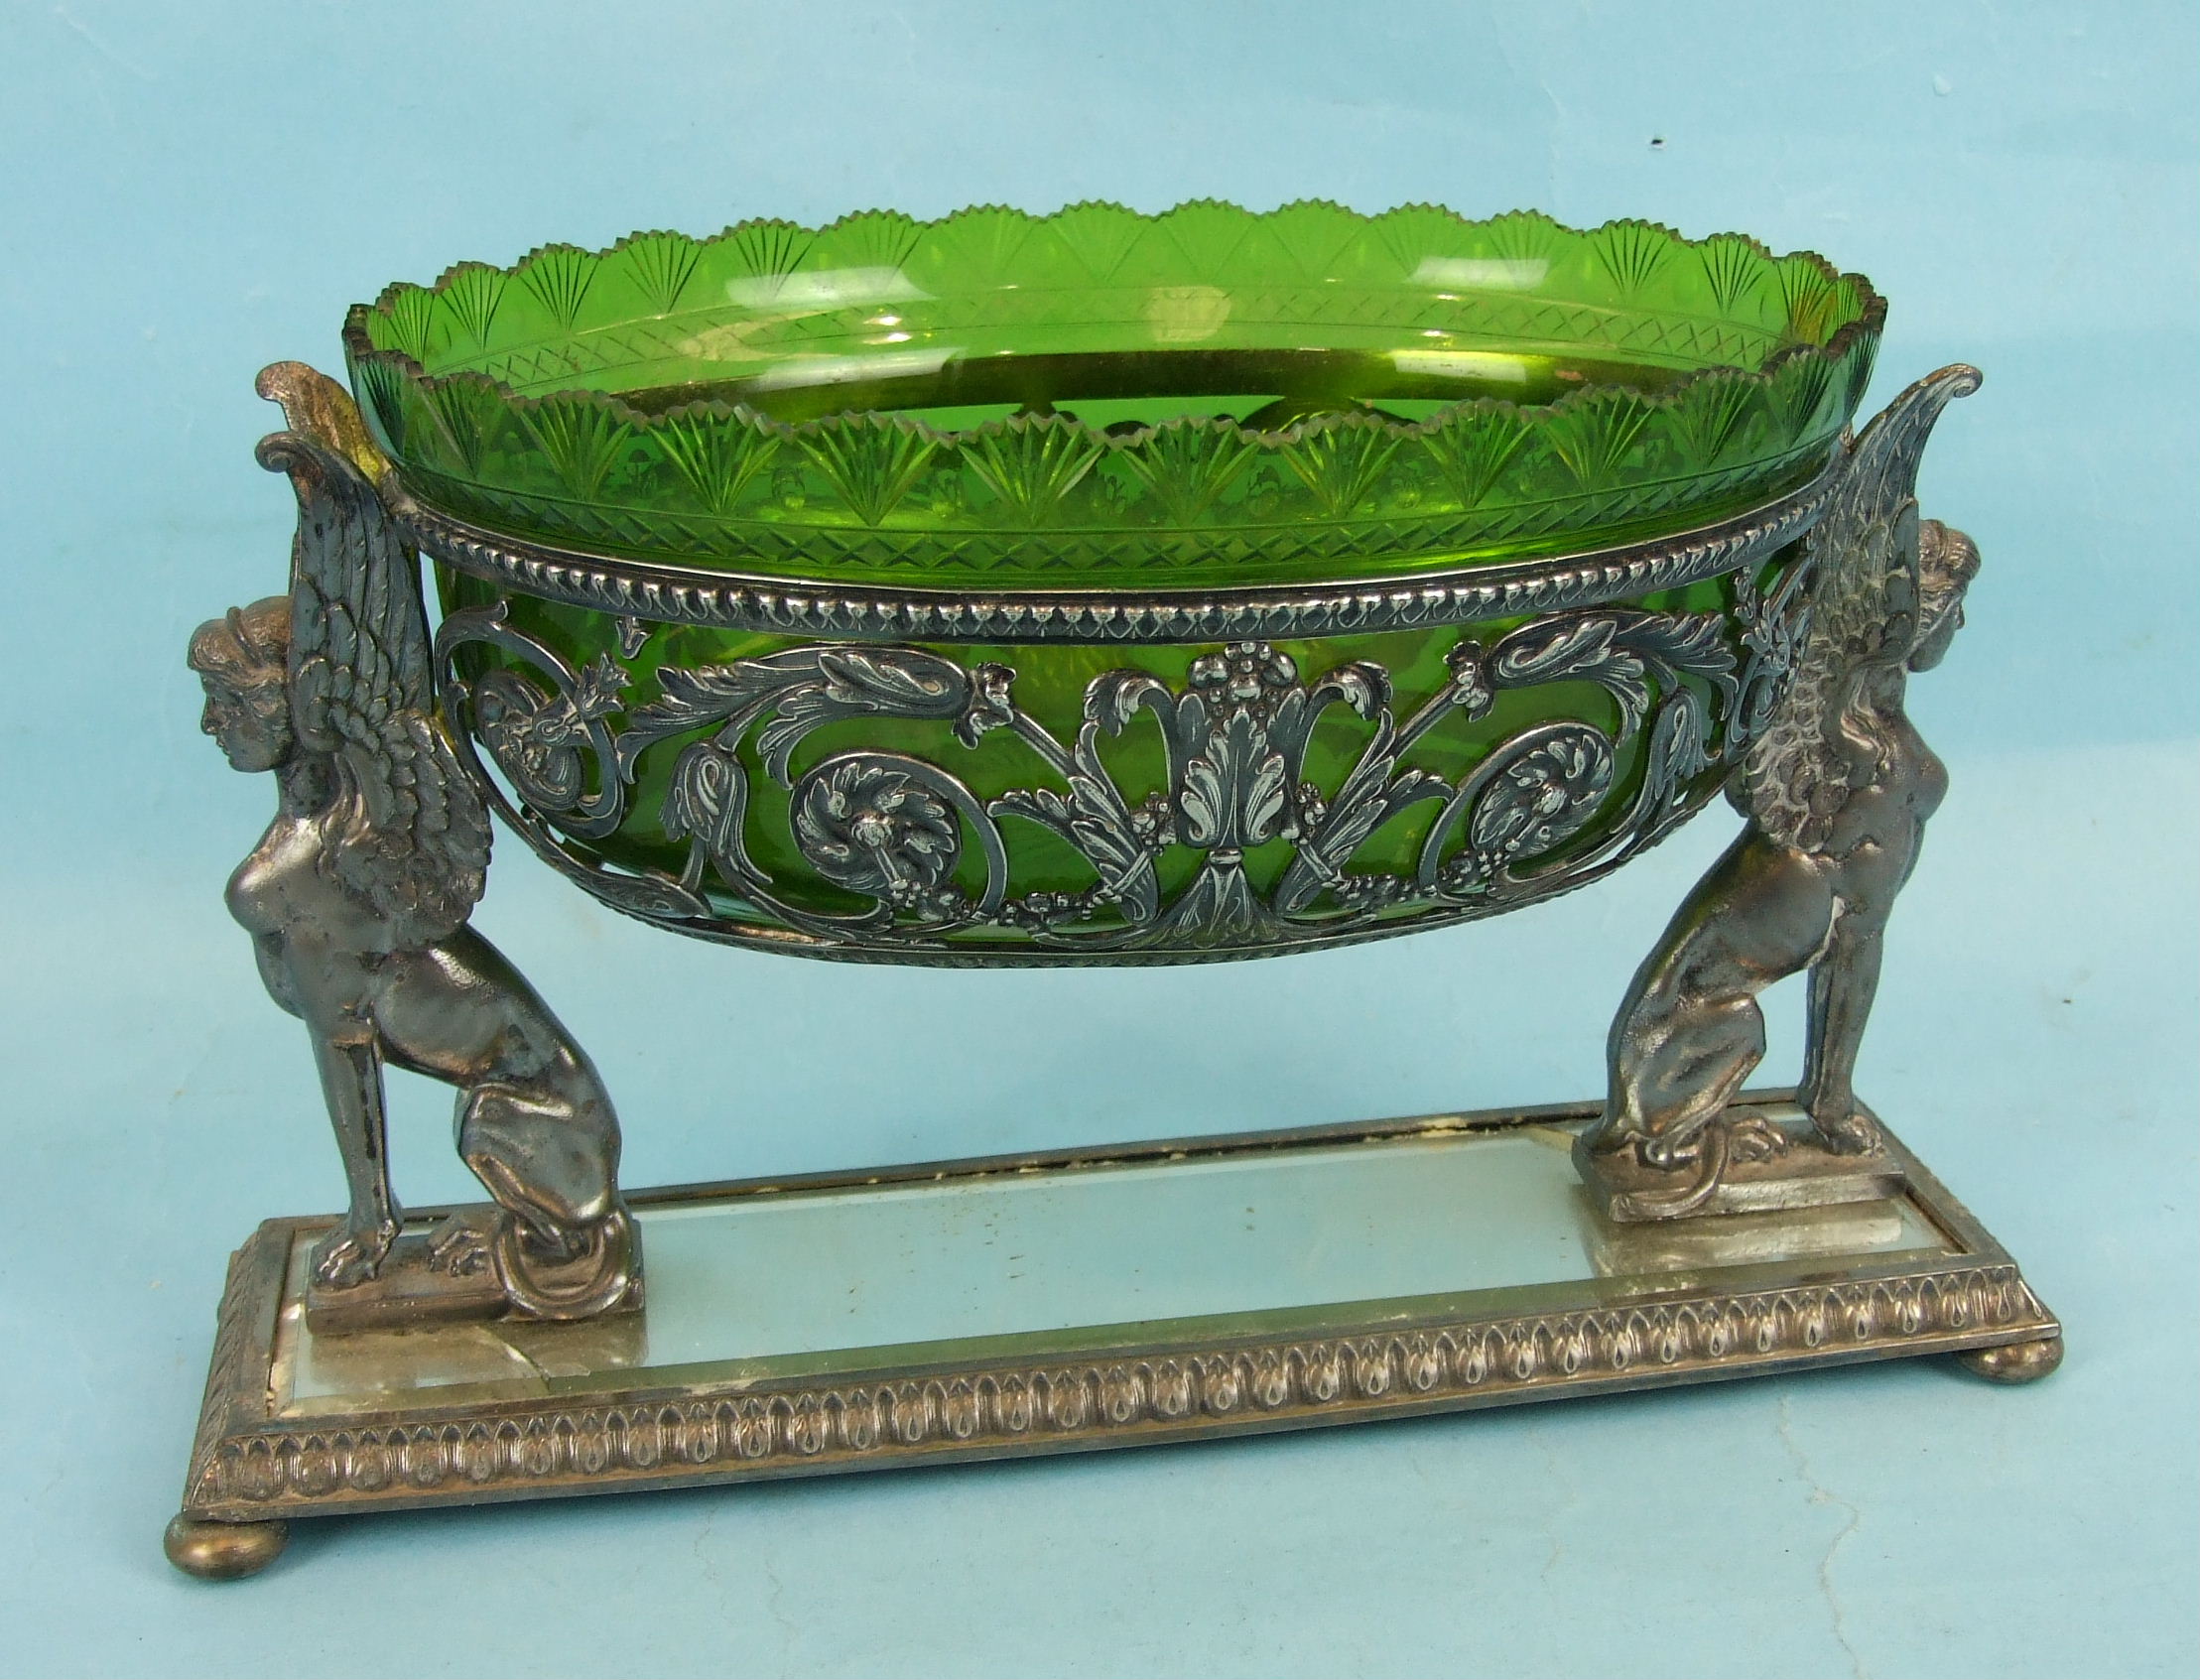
(415,834)
(1799,773)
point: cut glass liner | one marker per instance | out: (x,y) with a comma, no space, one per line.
(1208,396)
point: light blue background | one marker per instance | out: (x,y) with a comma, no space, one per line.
(189,190)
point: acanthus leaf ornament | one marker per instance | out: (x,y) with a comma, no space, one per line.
(1522,821)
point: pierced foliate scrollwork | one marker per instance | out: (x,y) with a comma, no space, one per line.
(1548,806)
(879,825)
(541,739)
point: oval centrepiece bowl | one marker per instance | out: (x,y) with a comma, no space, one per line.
(1100,587)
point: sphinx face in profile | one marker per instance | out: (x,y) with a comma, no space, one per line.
(240,658)
(1947,562)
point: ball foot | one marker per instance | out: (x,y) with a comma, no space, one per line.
(2017,1361)
(223,1551)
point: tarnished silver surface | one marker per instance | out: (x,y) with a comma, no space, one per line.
(1652,1316)
(892,827)
(358,894)
(1837,786)
(357,899)
(1556,805)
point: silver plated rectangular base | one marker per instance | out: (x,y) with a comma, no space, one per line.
(1055,1302)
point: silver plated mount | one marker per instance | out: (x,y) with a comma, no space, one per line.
(1790,696)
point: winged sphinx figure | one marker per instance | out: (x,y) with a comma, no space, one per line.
(358,895)
(1838,788)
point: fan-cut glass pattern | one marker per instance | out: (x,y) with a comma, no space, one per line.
(1103,399)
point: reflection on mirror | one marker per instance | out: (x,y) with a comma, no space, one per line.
(1272,1240)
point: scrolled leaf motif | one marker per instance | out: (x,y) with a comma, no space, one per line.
(1236,733)
(1530,796)
(1112,698)
(1677,754)
(1572,645)
(990,706)
(1361,684)
(894,828)
(1774,623)
(1373,791)
(806,688)
(543,741)
(1117,851)
(1039,805)
(1620,651)
(1096,820)
(892,680)
(735,695)
(886,827)
(598,691)
(859,682)
(547,733)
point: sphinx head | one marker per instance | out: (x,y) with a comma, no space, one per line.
(241,659)
(1947,561)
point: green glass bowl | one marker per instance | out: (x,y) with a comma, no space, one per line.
(1102,588)
(1099,399)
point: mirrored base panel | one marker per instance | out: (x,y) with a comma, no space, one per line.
(1118,1296)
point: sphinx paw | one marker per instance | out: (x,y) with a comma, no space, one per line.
(1848,1132)
(353,1253)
